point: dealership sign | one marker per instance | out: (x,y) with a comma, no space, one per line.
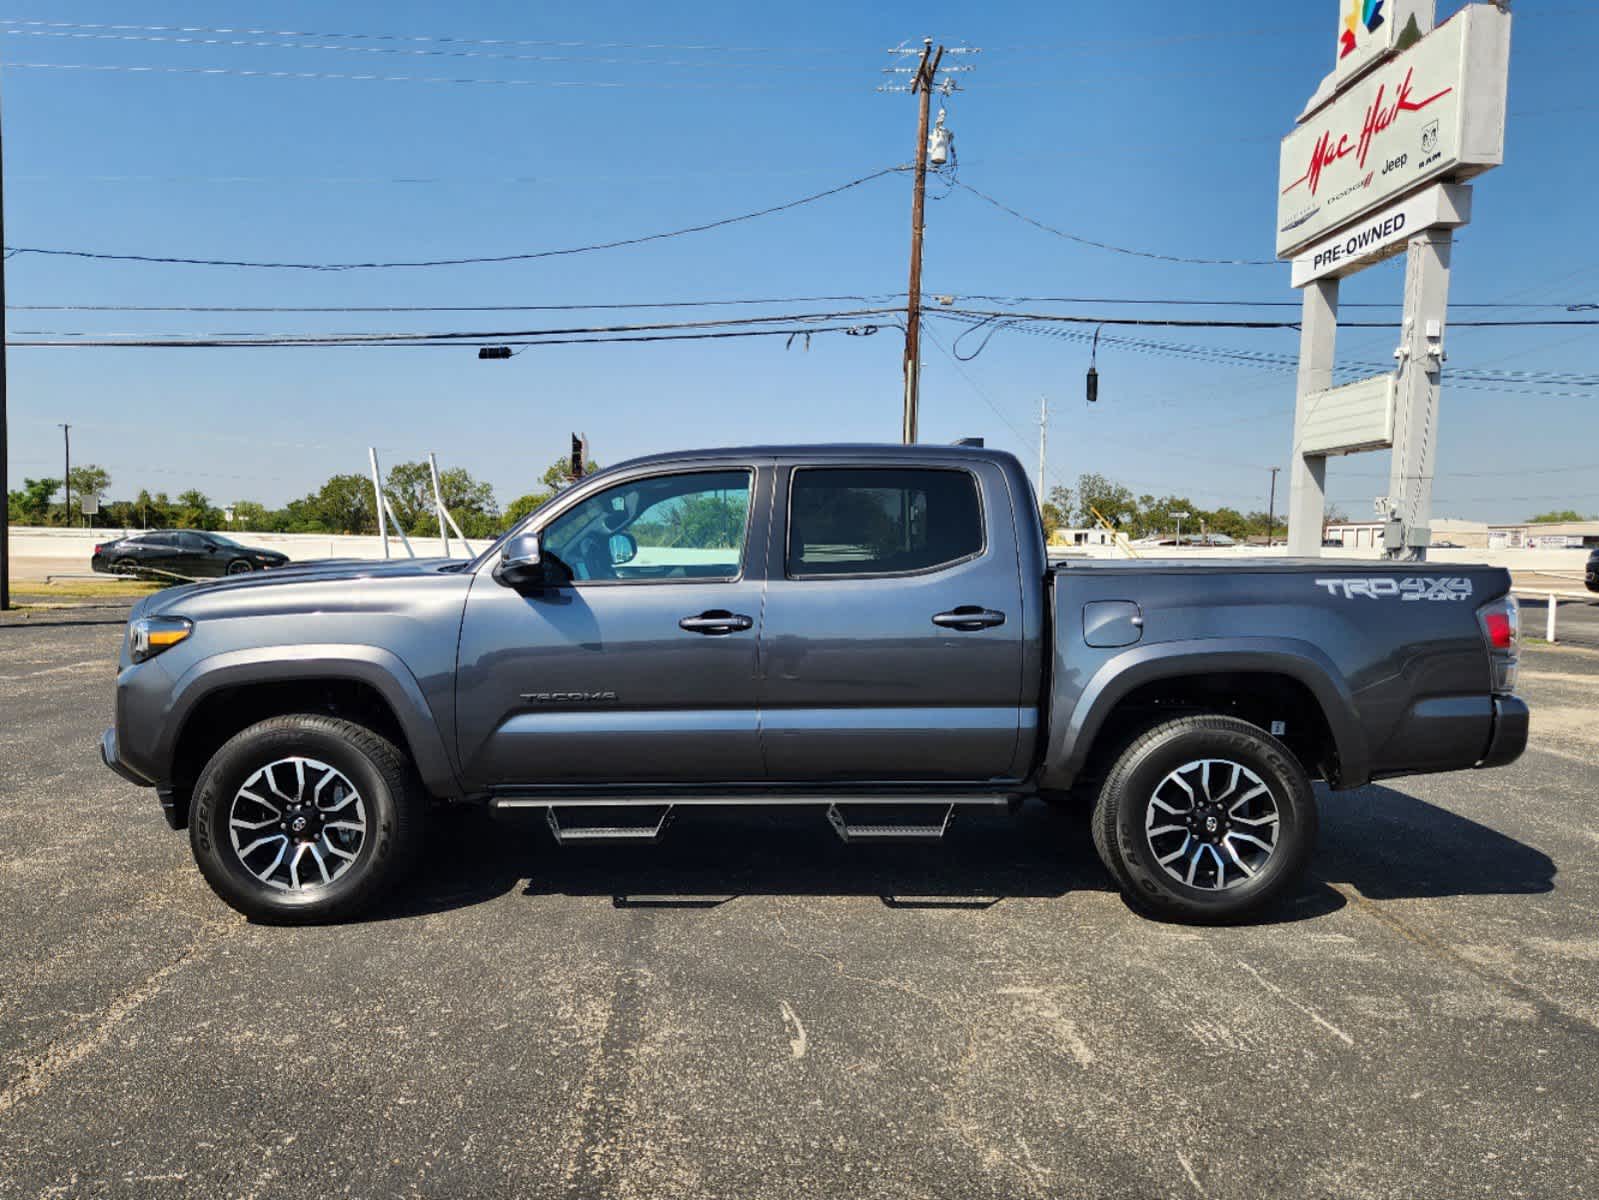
(1436,111)
(1384,233)
(1349,419)
(1371,29)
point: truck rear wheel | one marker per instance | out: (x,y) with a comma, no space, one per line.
(305,818)
(1205,818)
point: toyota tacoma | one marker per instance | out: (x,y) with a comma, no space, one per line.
(874,631)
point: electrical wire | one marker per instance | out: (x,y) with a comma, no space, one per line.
(313,343)
(251,43)
(13,251)
(1083,241)
(350,77)
(439,308)
(430,38)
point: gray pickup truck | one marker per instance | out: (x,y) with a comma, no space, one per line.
(875,631)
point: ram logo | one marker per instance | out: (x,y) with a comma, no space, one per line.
(1384,587)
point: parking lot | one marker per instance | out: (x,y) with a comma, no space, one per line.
(754,1009)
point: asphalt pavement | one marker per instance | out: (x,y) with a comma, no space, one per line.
(753,1009)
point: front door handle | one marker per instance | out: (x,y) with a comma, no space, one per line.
(969,617)
(716,621)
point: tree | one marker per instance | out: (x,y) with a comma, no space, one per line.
(195,511)
(89,480)
(31,506)
(410,490)
(342,505)
(1052,517)
(1564,514)
(248,514)
(519,508)
(560,472)
(1096,492)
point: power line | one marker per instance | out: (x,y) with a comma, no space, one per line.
(803,331)
(447,335)
(441,308)
(252,43)
(1083,241)
(790,324)
(433,38)
(881,297)
(242,72)
(12,251)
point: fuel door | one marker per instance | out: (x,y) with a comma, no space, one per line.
(1110,623)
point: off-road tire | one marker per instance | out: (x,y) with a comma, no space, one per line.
(396,803)
(1120,810)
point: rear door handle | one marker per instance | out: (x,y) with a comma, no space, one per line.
(969,617)
(716,621)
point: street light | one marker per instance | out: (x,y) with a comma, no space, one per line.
(1181,516)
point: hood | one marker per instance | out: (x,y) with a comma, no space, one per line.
(260,586)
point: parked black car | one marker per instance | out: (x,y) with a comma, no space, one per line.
(1593,571)
(186,552)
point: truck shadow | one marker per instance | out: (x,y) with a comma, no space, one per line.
(1394,846)
(1386,844)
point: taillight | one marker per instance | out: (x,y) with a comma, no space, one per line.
(1501,629)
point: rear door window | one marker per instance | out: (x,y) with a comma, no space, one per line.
(881,520)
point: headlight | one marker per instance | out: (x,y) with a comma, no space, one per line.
(149,636)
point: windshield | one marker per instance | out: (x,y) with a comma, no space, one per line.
(222,541)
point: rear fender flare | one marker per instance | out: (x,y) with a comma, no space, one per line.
(1119,676)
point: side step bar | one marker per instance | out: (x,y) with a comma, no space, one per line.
(887,833)
(566,835)
(941,807)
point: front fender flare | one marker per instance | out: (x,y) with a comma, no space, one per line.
(1071,740)
(374,666)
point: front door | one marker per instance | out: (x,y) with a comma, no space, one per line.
(638,663)
(892,641)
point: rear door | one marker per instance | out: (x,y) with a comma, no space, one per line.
(642,666)
(892,642)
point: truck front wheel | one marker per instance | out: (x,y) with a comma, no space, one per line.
(305,818)
(1205,818)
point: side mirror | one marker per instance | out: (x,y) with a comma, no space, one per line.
(624,548)
(521,561)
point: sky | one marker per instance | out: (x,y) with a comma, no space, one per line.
(1152,125)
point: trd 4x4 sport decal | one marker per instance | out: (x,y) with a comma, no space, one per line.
(1410,588)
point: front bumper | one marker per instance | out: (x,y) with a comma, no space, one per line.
(109,756)
(1509,738)
(174,810)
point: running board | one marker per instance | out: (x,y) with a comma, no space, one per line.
(887,833)
(751,799)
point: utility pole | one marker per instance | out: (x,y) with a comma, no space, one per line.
(66,471)
(5,452)
(922,89)
(1271,508)
(1043,446)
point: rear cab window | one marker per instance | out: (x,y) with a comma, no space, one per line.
(881,521)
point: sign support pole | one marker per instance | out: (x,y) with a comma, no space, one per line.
(1307,474)
(1421,358)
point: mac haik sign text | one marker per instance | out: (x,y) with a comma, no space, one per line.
(1437,111)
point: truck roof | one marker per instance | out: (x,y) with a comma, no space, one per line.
(837,451)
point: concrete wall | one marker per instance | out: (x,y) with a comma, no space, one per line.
(77,545)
